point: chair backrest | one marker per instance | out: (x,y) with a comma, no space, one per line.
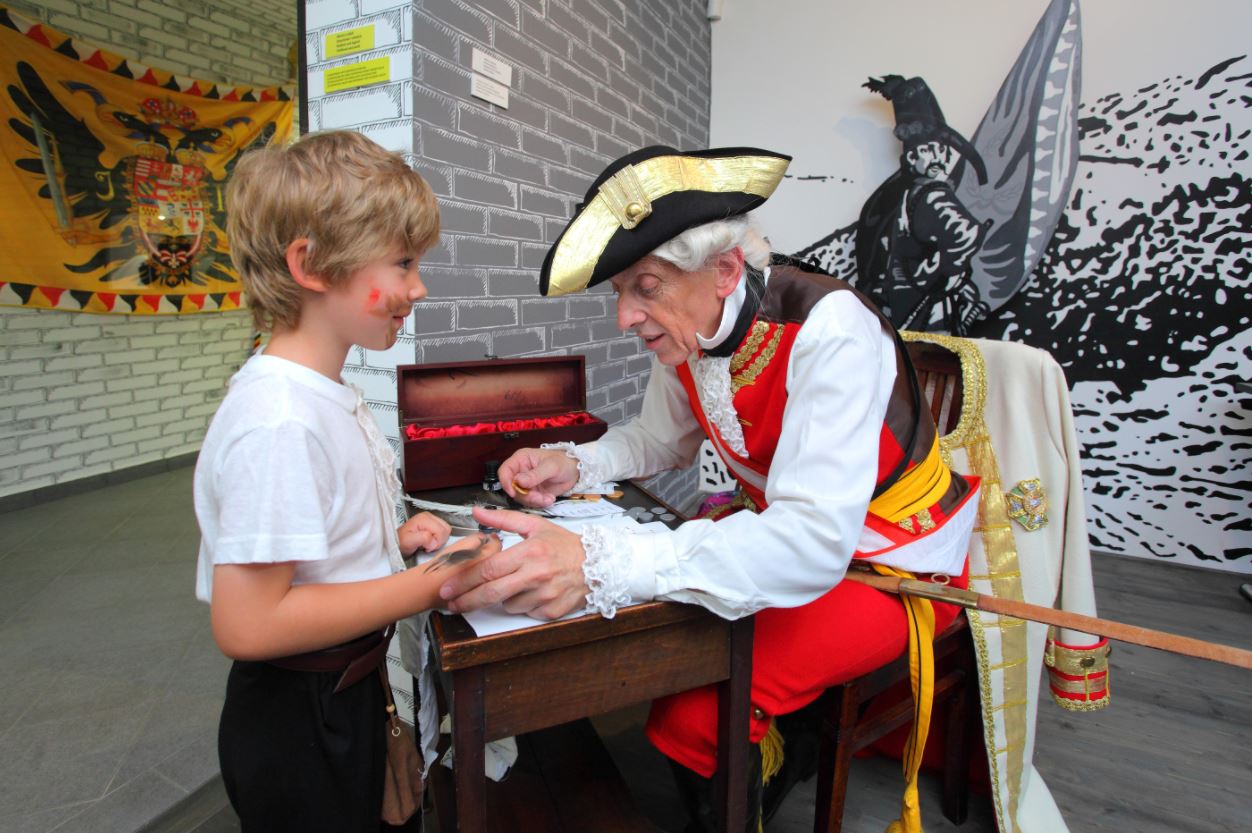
(939,377)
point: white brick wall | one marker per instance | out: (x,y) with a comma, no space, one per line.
(115,390)
(82,394)
(231,41)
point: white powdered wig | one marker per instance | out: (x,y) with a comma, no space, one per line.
(693,249)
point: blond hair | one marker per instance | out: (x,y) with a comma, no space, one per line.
(352,199)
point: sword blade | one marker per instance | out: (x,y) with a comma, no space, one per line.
(1160,640)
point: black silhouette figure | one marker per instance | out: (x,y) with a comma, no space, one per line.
(916,241)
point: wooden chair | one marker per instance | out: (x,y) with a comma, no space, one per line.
(845,727)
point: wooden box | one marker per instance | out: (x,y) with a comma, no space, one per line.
(485,392)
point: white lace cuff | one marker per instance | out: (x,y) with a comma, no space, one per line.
(606,569)
(591,475)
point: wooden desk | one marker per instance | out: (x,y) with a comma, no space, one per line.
(520,682)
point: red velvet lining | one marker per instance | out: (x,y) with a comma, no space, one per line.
(418,432)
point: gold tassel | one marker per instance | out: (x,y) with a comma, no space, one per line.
(771,753)
(771,761)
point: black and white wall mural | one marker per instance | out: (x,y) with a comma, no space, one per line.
(1112,230)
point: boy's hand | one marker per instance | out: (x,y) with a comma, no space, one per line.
(423,531)
(541,577)
(537,477)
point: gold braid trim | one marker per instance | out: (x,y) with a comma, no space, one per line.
(1084,663)
(1079,706)
(1006,690)
(717,512)
(1077,662)
(749,374)
(749,347)
(742,498)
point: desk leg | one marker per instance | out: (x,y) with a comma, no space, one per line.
(734,704)
(468,738)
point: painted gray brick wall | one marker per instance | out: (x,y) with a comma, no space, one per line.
(84,395)
(592,79)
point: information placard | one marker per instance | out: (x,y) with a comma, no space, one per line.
(488,90)
(361,74)
(348,41)
(493,68)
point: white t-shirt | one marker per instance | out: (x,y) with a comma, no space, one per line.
(285,475)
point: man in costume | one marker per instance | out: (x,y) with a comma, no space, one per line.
(915,240)
(808,395)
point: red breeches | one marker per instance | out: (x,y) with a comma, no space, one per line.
(797,653)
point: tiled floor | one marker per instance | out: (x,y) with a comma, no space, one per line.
(112,685)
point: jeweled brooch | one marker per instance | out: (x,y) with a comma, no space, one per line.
(1028,505)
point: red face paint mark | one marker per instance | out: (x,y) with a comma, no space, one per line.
(374,294)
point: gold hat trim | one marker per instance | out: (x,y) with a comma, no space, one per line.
(628,199)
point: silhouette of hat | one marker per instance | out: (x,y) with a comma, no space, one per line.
(649,197)
(919,119)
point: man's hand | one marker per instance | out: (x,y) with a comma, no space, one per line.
(541,577)
(543,475)
(423,531)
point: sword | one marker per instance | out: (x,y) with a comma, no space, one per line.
(1159,640)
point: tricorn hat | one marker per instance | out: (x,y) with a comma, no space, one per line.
(649,197)
(919,119)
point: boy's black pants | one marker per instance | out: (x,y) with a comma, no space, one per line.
(298,757)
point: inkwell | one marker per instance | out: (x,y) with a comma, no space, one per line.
(493,495)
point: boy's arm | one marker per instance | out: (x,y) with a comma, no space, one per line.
(257,614)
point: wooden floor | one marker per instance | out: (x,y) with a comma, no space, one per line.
(1172,754)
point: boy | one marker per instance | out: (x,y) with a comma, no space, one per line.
(295,486)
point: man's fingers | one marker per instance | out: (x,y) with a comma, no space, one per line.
(492,565)
(519,467)
(486,582)
(550,467)
(506,519)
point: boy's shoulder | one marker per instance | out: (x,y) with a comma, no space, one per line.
(269,390)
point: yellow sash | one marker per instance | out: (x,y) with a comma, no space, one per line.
(921,616)
(919,488)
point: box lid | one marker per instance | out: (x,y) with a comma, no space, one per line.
(483,391)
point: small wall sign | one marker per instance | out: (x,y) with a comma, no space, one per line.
(348,41)
(360,74)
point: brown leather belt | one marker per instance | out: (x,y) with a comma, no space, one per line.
(356,659)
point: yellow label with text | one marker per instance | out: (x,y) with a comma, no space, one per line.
(349,41)
(357,75)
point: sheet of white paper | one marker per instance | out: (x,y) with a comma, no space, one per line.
(494,619)
(584,508)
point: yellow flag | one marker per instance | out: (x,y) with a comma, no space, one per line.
(113,177)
